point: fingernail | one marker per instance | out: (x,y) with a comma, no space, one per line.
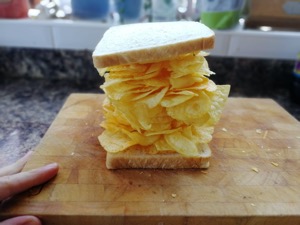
(32,220)
(51,166)
(28,153)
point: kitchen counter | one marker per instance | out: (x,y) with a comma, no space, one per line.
(29,103)
(28,107)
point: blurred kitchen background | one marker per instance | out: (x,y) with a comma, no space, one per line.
(46,47)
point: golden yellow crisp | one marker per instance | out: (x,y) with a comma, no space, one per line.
(162,106)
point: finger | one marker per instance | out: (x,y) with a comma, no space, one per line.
(15,167)
(22,220)
(13,184)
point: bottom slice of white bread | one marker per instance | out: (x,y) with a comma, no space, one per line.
(142,160)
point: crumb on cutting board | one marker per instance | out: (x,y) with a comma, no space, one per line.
(265,134)
(224,129)
(259,131)
(255,169)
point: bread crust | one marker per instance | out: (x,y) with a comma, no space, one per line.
(171,160)
(181,38)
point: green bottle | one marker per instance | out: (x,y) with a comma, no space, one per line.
(221,14)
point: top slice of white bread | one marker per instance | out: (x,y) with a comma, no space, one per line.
(149,42)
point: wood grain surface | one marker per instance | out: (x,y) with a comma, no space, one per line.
(254,176)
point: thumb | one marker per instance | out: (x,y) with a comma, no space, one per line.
(22,220)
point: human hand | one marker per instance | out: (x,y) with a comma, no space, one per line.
(13,181)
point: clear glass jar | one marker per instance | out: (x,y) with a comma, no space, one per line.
(164,10)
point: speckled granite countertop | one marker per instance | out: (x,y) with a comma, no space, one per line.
(33,90)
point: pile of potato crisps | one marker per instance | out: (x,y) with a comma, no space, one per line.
(162,106)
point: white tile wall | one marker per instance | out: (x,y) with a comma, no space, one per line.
(79,35)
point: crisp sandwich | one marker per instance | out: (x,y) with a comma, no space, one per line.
(159,112)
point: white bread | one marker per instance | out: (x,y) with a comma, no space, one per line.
(138,159)
(148,42)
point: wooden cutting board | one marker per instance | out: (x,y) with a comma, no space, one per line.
(254,177)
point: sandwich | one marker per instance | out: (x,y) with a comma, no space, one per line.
(160,106)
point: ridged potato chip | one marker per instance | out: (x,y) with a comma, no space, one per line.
(161,106)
